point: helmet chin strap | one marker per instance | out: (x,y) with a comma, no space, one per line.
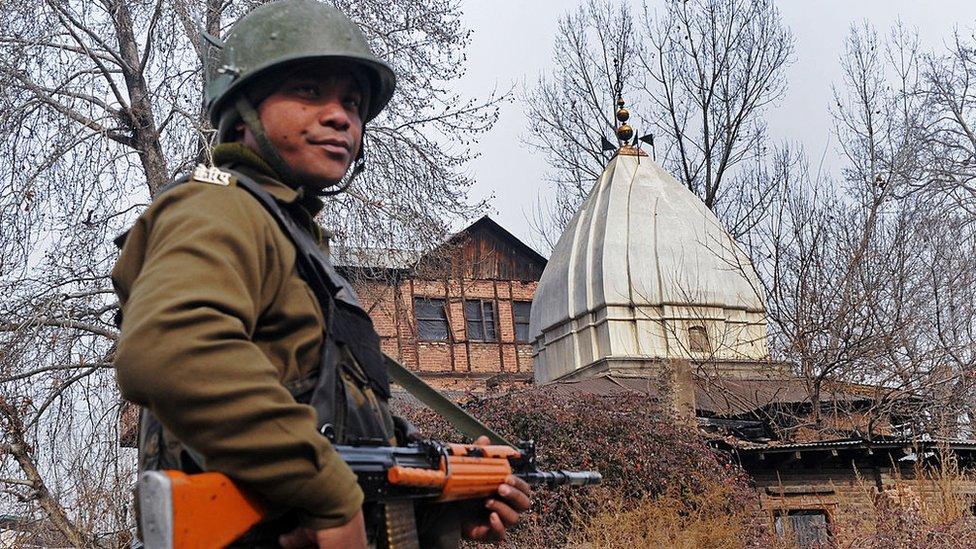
(270,153)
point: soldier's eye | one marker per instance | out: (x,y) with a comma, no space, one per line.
(307,90)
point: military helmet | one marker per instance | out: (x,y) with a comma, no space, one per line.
(288,32)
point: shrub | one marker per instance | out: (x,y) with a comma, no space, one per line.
(927,510)
(651,468)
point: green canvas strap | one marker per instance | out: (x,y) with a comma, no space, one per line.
(269,152)
(308,251)
(454,414)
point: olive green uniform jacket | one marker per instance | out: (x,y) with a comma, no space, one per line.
(216,321)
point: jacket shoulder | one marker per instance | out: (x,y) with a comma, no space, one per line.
(206,190)
(206,209)
(173,194)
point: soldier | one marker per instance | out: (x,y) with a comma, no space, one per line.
(238,366)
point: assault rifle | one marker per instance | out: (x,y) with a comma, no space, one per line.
(208,510)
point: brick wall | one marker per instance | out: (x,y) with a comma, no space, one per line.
(459,363)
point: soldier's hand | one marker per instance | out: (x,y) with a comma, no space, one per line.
(489,521)
(351,534)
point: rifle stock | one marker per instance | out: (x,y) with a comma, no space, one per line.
(180,511)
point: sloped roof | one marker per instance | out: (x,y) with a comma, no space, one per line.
(605,385)
(395,258)
(486,223)
(730,414)
(735,397)
(721,397)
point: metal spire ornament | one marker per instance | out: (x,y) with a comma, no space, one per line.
(625,133)
(626,137)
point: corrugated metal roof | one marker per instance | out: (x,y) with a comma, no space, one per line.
(773,447)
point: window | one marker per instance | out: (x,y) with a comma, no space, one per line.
(807,527)
(520,312)
(480,317)
(431,319)
(698,340)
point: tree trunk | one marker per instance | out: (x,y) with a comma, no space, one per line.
(141,120)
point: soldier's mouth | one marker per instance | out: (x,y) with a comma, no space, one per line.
(334,149)
(332,143)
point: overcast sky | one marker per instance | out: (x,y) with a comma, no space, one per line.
(513,43)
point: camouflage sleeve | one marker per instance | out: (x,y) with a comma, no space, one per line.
(192,277)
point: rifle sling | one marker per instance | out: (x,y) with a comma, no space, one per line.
(433,399)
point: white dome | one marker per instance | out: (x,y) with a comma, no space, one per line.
(640,265)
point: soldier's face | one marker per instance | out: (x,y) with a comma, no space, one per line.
(314,121)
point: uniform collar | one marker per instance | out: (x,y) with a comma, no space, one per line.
(236,156)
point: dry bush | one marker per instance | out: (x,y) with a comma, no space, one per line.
(640,456)
(679,520)
(929,510)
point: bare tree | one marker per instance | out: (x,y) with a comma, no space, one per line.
(714,65)
(100,106)
(573,107)
(699,75)
(867,279)
(947,129)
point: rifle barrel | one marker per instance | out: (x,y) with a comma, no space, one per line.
(561,478)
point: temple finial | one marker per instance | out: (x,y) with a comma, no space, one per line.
(624,131)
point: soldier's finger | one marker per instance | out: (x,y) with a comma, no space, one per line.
(505,513)
(479,532)
(296,539)
(514,497)
(497,527)
(519,485)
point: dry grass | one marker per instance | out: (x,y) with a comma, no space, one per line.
(708,519)
(930,510)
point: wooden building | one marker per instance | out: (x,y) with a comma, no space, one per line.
(832,492)
(458,315)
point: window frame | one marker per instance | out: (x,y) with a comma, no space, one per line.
(516,323)
(480,335)
(427,320)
